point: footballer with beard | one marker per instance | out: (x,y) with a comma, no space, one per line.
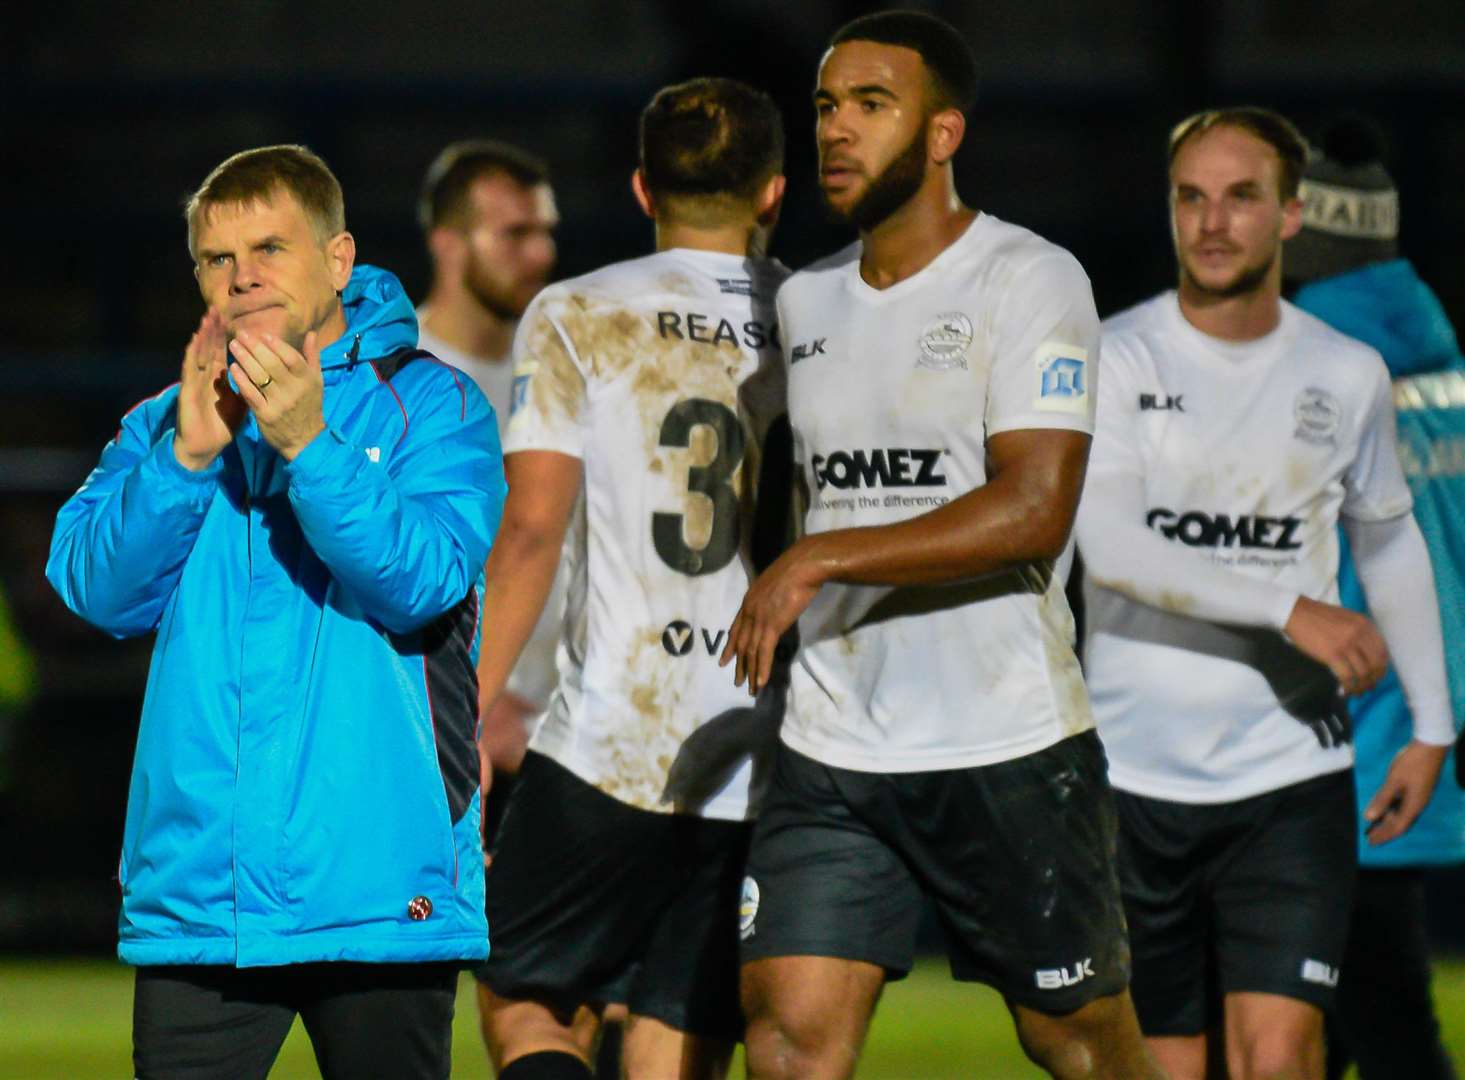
(1236,433)
(938,739)
(488,214)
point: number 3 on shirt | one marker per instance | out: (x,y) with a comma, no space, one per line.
(713,480)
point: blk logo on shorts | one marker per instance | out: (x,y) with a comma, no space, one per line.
(1058,978)
(1315,971)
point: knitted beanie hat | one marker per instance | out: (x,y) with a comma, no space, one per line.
(1350,208)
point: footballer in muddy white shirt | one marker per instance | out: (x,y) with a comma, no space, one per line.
(643,395)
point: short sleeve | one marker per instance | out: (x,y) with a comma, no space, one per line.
(547,409)
(1374,484)
(1045,341)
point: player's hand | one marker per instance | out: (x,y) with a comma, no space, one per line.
(503,736)
(209,411)
(1347,643)
(282,388)
(775,599)
(504,730)
(1405,791)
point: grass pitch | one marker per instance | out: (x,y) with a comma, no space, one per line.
(69,1019)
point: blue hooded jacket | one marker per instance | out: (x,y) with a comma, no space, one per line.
(305,786)
(1389,307)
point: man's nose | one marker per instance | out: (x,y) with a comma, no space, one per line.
(542,252)
(246,275)
(834,128)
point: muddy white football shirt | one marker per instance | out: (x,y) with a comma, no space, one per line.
(1247,454)
(893,394)
(661,375)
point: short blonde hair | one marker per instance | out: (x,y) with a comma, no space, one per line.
(255,175)
(1270,127)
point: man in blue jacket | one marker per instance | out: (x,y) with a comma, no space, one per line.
(1346,258)
(303,521)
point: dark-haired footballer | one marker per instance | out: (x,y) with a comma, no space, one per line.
(938,739)
(643,393)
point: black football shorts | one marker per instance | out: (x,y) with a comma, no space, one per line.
(1245,896)
(1016,857)
(592,901)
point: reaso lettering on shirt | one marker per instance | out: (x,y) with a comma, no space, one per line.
(705,330)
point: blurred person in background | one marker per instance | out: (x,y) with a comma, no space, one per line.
(643,397)
(1346,265)
(303,521)
(1235,434)
(488,213)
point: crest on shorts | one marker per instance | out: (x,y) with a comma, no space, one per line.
(944,342)
(1318,414)
(747,908)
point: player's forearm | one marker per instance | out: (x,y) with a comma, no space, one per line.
(998,526)
(1123,555)
(1393,566)
(518,578)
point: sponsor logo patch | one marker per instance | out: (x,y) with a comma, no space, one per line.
(881,467)
(1063,378)
(944,342)
(1196,528)
(747,908)
(679,637)
(518,393)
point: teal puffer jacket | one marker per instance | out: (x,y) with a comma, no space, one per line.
(305,786)
(1390,308)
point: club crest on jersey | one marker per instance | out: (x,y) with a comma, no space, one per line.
(747,908)
(1063,378)
(944,342)
(1317,414)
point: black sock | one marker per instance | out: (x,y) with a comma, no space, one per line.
(547,1065)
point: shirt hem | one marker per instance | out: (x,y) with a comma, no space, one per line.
(1212,794)
(940,761)
(723,809)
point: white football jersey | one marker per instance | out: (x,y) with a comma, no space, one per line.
(661,375)
(533,676)
(893,394)
(1248,453)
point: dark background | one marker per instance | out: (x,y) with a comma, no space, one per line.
(110,115)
